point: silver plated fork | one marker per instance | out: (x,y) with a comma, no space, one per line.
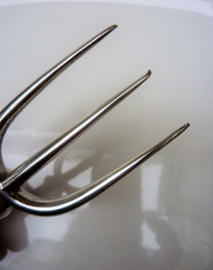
(11,192)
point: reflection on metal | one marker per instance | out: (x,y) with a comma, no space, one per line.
(11,192)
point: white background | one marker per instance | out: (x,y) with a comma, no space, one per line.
(158,217)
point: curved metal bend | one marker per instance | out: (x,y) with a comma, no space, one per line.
(10,191)
(35,205)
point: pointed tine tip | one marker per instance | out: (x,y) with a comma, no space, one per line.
(106,31)
(180,130)
(144,78)
(183,128)
(149,73)
(112,27)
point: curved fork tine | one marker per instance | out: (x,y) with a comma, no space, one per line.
(34,164)
(34,205)
(16,105)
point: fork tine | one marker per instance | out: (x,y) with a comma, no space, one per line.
(34,205)
(8,114)
(35,163)
(16,105)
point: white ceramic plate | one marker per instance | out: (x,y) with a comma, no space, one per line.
(158,217)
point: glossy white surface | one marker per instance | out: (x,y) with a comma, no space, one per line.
(161,215)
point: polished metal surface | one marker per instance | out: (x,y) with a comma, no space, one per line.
(11,192)
(8,114)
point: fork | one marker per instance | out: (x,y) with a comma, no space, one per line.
(12,194)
